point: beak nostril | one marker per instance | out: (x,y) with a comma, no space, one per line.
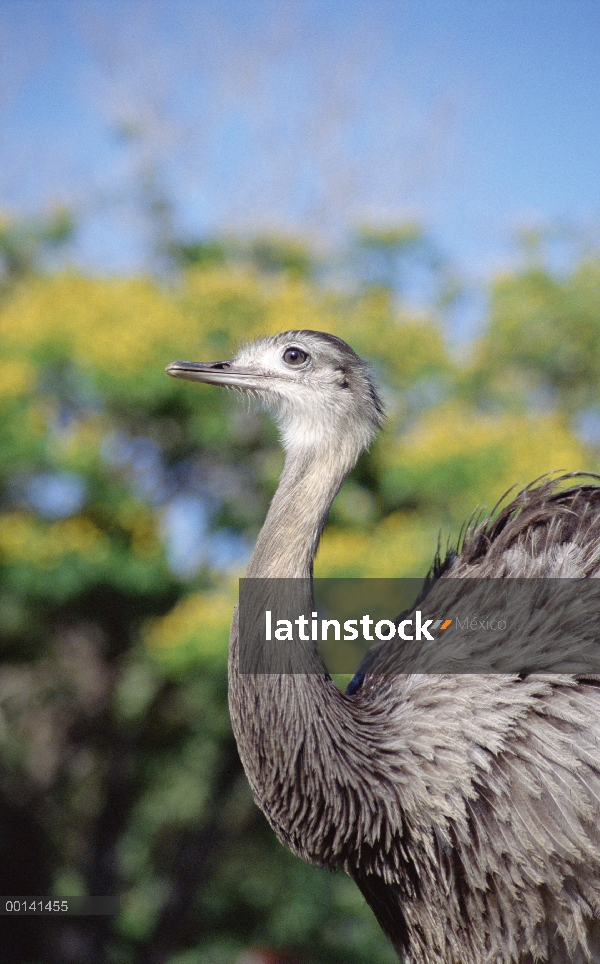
(221,365)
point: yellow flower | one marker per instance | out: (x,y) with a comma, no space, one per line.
(17,376)
(23,539)
(201,620)
(402,545)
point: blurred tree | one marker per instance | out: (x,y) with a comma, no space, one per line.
(382,253)
(24,243)
(260,127)
(267,254)
(542,345)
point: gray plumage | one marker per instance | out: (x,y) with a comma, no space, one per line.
(466,807)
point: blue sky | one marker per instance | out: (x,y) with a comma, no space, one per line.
(474,116)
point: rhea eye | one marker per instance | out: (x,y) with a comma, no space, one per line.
(294,357)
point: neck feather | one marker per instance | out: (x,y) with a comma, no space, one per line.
(289,538)
(276,717)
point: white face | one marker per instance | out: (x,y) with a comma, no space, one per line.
(291,370)
(314,385)
(307,389)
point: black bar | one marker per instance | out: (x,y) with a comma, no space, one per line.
(58,906)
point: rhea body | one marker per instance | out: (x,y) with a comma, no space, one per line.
(466,808)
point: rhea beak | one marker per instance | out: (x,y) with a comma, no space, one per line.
(215,373)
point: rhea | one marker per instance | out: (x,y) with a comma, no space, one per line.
(465,807)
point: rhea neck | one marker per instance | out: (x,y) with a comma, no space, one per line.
(312,476)
(269,711)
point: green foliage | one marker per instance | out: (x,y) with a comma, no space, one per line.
(24,243)
(387,257)
(544,333)
(118,771)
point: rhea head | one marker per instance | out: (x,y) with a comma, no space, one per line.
(316,386)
